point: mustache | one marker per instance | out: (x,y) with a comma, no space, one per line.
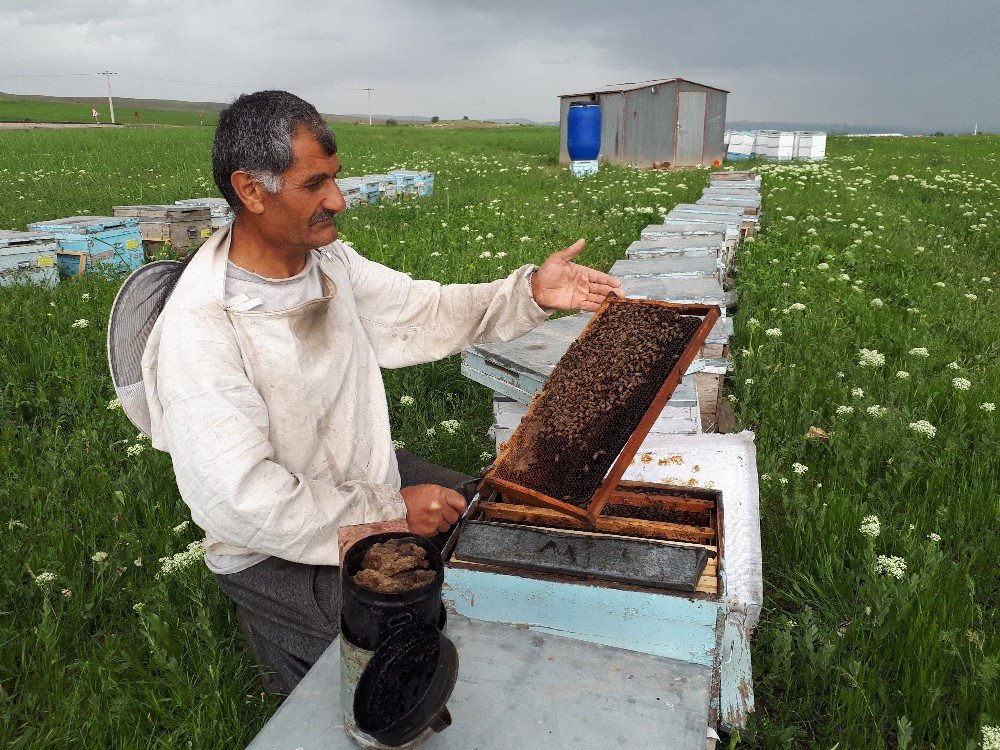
(321,216)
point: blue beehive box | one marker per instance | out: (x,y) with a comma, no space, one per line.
(386,186)
(90,244)
(417,182)
(350,188)
(28,257)
(370,189)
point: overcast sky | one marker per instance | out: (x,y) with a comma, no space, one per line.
(924,65)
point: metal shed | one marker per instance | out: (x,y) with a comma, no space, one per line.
(668,120)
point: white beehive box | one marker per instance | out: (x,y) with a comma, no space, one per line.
(28,257)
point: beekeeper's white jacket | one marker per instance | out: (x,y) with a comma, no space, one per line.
(277,422)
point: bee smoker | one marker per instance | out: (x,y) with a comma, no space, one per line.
(397,667)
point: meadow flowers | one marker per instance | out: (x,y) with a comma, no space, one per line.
(953,366)
(844,410)
(870,526)
(773,332)
(451,426)
(877,303)
(181,527)
(870,358)
(988,406)
(934,537)
(961,384)
(114,404)
(877,411)
(397,444)
(991,738)
(799,468)
(44,580)
(923,427)
(903,375)
(168,565)
(919,351)
(891,566)
(407,400)
(99,557)
(81,323)
(858,392)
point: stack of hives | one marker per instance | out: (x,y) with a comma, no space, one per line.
(782,145)
(686,259)
(399,183)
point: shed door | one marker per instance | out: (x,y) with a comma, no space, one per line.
(690,127)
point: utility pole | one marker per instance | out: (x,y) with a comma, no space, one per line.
(111,105)
(369,90)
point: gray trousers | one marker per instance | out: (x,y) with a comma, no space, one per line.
(289,612)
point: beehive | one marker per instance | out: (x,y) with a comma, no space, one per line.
(182,228)
(28,257)
(91,244)
(222,213)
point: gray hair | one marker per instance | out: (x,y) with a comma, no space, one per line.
(254,135)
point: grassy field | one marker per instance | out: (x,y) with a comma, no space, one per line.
(889,246)
(15,109)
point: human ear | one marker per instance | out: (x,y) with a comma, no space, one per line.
(249,190)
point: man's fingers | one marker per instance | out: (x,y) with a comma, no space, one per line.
(449,514)
(602,279)
(443,525)
(568,253)
(455,500)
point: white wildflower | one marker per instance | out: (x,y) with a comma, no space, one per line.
(435,254)
(953,366)
(451,426)
(858,392)
(397,444)
(923,427)
(430,432)
(823,266)
(799,468)
(134,450)
(870,526)
(940,284)
(877,411)
(783,480)
(988,406)
(114,404)
(407,400)
(44,580)
(891,566)
(971,296)
(753,324)
(85,295)
(748,381)
(991,738)
(81,323)
(181,527)
(99,556)
(877,303)
(961,384)
(913,309)
(195,551)
(773,332)
(870,358)
(486,254)
(843,410)
(919,351)
(795,307)
(67,593)
(934,537)
(525,238)
(902,374)
(501,254)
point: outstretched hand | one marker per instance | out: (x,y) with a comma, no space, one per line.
(560,284)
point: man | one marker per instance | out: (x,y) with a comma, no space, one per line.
(263,382)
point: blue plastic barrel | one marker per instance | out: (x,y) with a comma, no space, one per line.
(583,131)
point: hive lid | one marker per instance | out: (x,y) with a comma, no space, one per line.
(580,433)
(84,224)
(11,239)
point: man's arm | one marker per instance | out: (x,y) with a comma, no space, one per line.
(409,322)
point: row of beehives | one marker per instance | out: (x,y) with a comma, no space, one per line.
(782,145)
(121,243)
(687,259)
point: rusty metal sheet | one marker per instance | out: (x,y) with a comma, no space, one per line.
(640,562)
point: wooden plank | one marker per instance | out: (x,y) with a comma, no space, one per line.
(608,524)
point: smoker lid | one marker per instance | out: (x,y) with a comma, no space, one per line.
(133,315)
(406,684)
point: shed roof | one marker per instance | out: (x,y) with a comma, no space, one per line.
(620,87)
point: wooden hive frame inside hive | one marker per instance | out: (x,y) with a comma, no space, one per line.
(527,496)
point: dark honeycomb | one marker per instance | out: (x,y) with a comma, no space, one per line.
(594,400)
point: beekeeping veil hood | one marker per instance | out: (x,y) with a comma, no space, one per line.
(137,306)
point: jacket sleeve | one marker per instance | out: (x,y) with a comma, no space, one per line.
(215,426)
(409,322)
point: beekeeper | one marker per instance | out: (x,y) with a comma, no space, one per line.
(261,376)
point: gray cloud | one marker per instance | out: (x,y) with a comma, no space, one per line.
(894,63)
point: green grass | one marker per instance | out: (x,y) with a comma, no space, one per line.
(14,109)
(842,654)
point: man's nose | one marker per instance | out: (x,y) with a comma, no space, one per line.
(334,199)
